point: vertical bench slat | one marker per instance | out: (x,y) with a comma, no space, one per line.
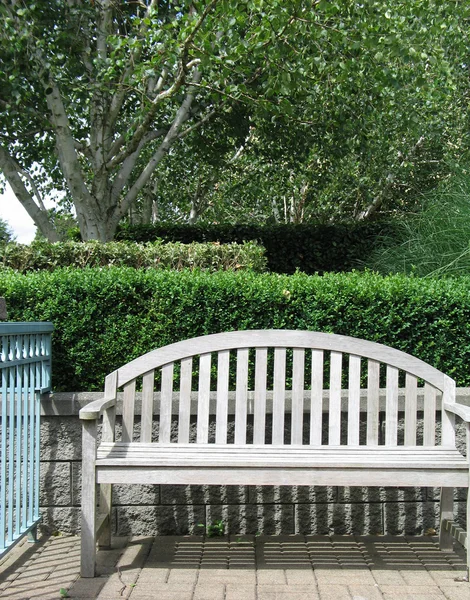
(298,384)
(241,396)
(448,418)
(279,393)
(429,438)
(373,383)
(109,415)
(391,407)
(202,435)
(261,370)
(223,364)
(108,435)
(165,404)
(354,399)
(184,411)
(411,407)
(128,412)
(147,406)
(334,432)
(316,399)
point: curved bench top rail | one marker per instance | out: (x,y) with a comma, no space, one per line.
(280,338)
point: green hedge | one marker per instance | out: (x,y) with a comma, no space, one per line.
(156,255)
(308,248)
(105,317)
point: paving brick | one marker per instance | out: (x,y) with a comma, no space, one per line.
(153,575)
(119,585)
(460,592)
(365,592)
(296,576)
(288,592)
(417,577)
(86,588)
(345,576)
(387,577)
(240,592)
(248,576)
(209,592)
(180,576)
(162,592)
(271,576)
(41,591)
(411,592)
(333,592)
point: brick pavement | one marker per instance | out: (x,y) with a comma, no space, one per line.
(239,568)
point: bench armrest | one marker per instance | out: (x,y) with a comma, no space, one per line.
(461,410)
(95,409)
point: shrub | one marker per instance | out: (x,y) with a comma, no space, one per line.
(434,242)
(308,248)
(106,317)
(157,255)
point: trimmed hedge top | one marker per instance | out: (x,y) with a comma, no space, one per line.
(156,255)
(105,317)
(309,248)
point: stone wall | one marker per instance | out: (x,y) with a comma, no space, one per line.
(166,510)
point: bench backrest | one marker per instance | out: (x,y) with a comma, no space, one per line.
(301,387)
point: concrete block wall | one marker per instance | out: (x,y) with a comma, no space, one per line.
(170,510)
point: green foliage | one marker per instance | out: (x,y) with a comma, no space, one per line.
(214,529)
(362,120)
(434,242)
(308,248)
(6,233)
(106,317)
(156,255)
(344,106)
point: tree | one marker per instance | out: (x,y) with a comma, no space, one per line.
(368,137)
(96,94)
(6,233)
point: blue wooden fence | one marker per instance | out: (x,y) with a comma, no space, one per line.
(25,366)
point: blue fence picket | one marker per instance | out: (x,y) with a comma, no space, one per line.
(25,366)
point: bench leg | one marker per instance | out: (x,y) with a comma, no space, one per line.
(104,538)
(88,524)
(447,514)
(468,515)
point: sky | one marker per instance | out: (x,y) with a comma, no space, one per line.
(16,216)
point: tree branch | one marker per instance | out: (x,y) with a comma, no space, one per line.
(11,170)
(377,202)
(128,165)
(169,140)
(183,66)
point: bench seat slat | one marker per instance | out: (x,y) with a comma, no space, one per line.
(244,457)
(299,475)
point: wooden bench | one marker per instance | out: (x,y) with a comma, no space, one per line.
(320,442)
